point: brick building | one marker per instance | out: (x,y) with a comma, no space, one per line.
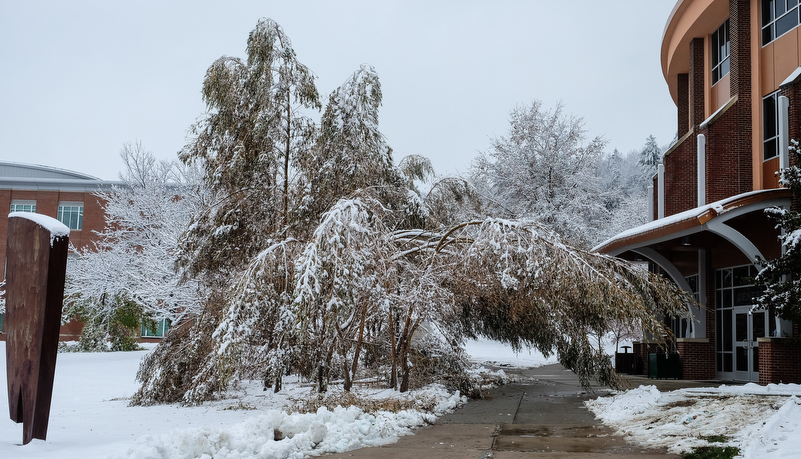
(733,68)
(62,194)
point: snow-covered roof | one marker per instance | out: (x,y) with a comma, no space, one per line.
(688,219)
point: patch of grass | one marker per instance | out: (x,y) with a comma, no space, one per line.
(712,452)
(715,438)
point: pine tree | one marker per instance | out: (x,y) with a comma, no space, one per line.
(781,277)
(650,156)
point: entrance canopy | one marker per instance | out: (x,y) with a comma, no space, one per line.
(738,221)
(693,244)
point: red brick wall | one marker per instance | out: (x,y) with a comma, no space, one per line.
(740,58)
(697,359)
(683,102)
(680,182)
(696,82)
(779,361)
(724,157)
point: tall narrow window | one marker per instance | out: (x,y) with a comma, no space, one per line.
(778,18)
(770,126)
(23,206)
(71,214)
(720,52)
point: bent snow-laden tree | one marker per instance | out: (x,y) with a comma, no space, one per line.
(330,264)
(518,283)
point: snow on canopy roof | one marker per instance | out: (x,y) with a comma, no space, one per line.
(688,219)
(10,169)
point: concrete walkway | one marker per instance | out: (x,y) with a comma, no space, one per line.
(540,415)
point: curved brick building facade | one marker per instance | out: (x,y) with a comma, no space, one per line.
(733,68)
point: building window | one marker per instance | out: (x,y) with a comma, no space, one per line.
(71,214)
(161,329)
(23,206)
(778,18)
(770,126)
(720,52)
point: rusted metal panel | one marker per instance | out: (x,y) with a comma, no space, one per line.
(35,268)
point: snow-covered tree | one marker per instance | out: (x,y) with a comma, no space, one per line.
(624,187)
(519,283)
(780,277)
(543,170)
(249,143)
(130,270)
(650,156)
(358,270)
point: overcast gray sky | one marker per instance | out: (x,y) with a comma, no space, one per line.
(78,79)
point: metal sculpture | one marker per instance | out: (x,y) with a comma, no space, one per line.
(36,261)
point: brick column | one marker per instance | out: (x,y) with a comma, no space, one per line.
(697,358)
(778,361)
(696,82)
(740,58)
(683,88)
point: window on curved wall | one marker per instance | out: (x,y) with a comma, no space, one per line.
(778,18)
(720,52)
(770,126)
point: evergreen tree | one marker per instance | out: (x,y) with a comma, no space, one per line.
(781,277)
(650,156)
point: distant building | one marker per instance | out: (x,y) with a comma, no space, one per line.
(733,68)
(65,195)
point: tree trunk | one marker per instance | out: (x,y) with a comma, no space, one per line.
(348,381)
(393,374)
(286,158)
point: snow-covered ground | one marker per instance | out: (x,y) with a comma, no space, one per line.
(90,417)
(763,421)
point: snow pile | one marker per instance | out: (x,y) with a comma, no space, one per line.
(90,417)
(762,421)
(780,435)
(283,435)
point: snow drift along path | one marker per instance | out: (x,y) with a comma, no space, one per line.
(90,418)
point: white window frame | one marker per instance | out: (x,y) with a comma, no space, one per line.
(70,204)
(23,202)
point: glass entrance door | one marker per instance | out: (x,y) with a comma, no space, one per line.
(748,326)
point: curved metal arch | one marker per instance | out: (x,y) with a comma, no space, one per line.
(678,278)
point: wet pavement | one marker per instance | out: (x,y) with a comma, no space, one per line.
(539,415)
